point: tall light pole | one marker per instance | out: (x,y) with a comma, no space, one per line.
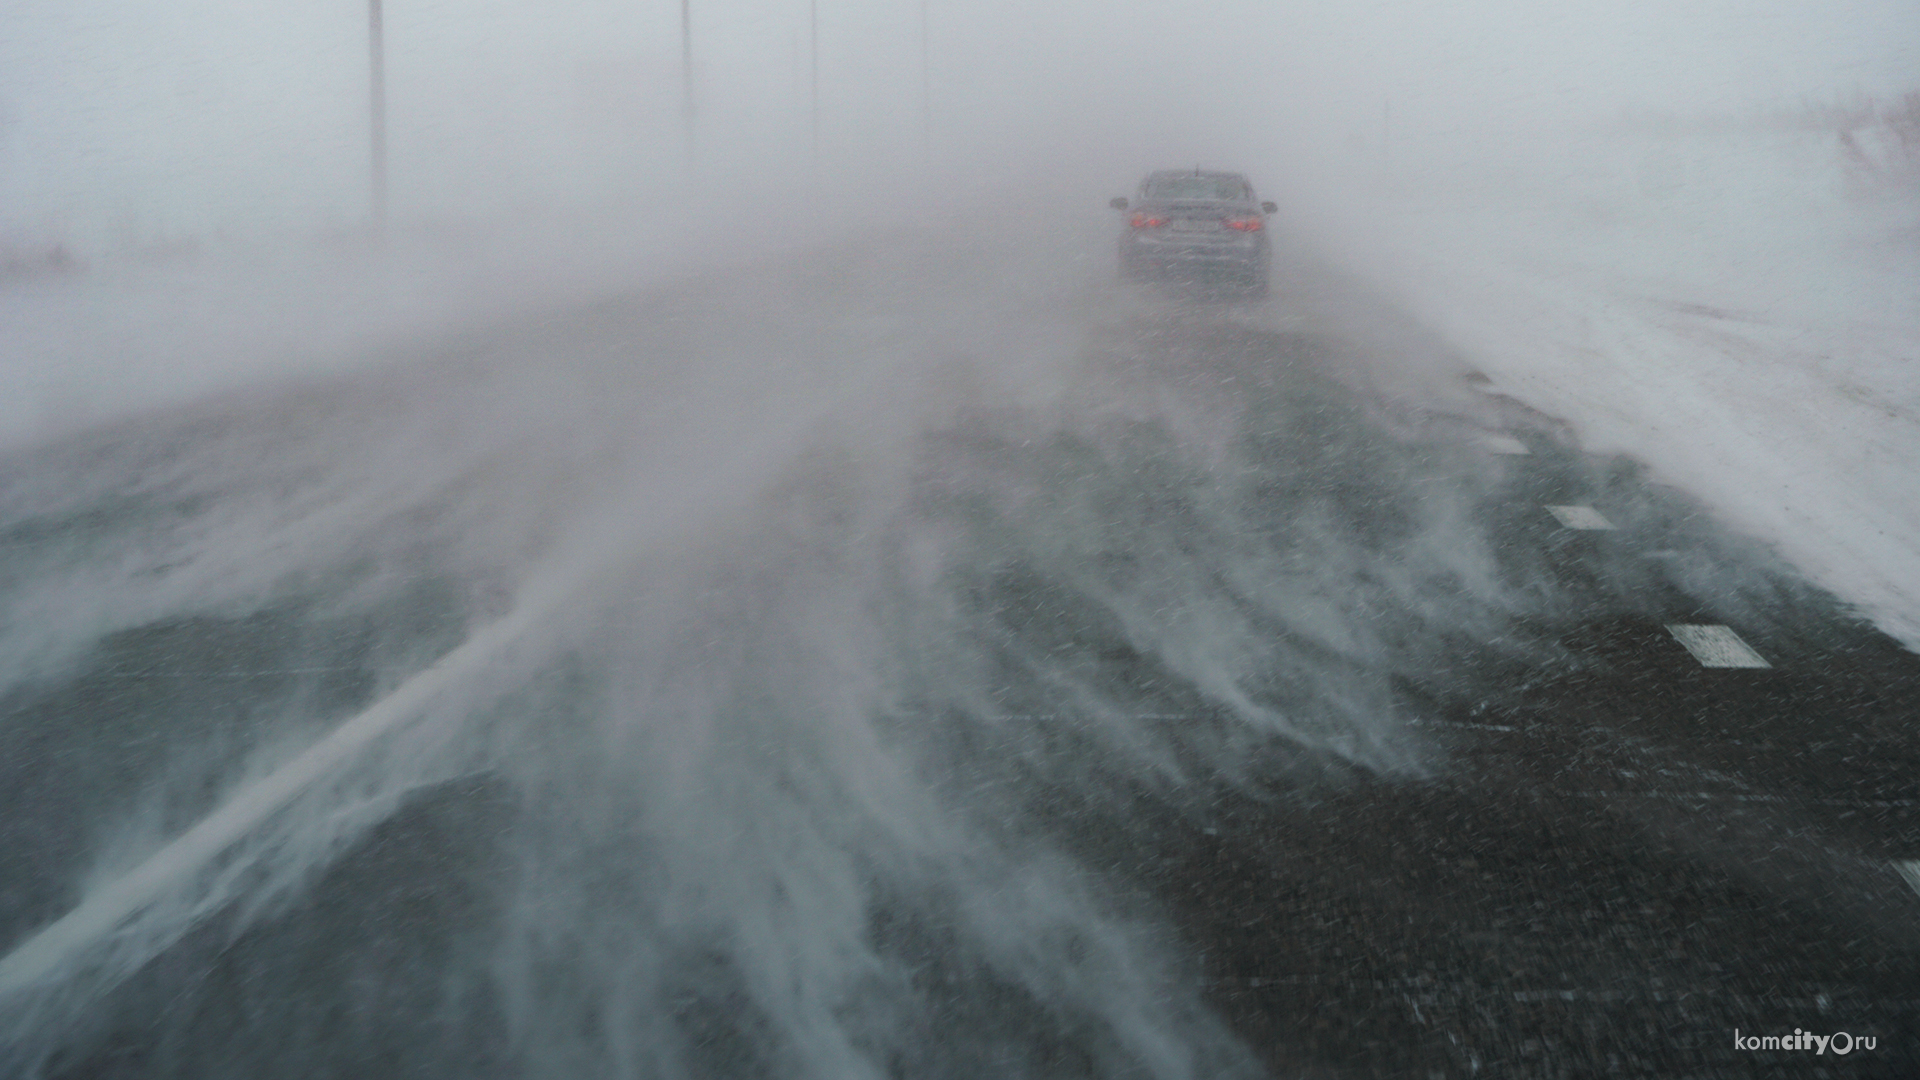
(813,52)
(686,70)
(926,75)
(377,106)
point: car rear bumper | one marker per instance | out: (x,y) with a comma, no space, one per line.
(1138,263)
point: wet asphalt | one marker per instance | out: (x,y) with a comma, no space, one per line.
(1624,861)
(1614,859)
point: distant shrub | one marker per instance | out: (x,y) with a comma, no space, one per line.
(1902,122)
(1880,150)
(23,261)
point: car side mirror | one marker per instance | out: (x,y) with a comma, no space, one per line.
(1118,204)
(1267,208)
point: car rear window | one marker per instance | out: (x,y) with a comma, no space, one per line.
(1195,187)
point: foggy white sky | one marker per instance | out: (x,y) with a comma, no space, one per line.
(143,120)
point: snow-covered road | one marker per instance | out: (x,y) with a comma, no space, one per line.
(906,652)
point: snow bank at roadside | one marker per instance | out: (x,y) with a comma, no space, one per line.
(1739,310)
(139,330)
(124,331)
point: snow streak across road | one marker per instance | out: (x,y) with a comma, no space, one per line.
(923,660)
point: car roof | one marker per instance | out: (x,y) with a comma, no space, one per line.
(1157,173)
(1228,187)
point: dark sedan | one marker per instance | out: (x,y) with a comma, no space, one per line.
(1196,228)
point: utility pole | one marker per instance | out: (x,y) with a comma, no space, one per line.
(926,76)
(377,104)
(686,71)
(813,52)
(1386,136)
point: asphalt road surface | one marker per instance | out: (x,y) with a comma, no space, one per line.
(926,659)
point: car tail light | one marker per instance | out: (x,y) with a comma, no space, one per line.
(1249,224)
(1142,221)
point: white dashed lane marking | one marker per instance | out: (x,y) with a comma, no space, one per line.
(1716,646)
(1580,517)
(1504,444)
(1910,870)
